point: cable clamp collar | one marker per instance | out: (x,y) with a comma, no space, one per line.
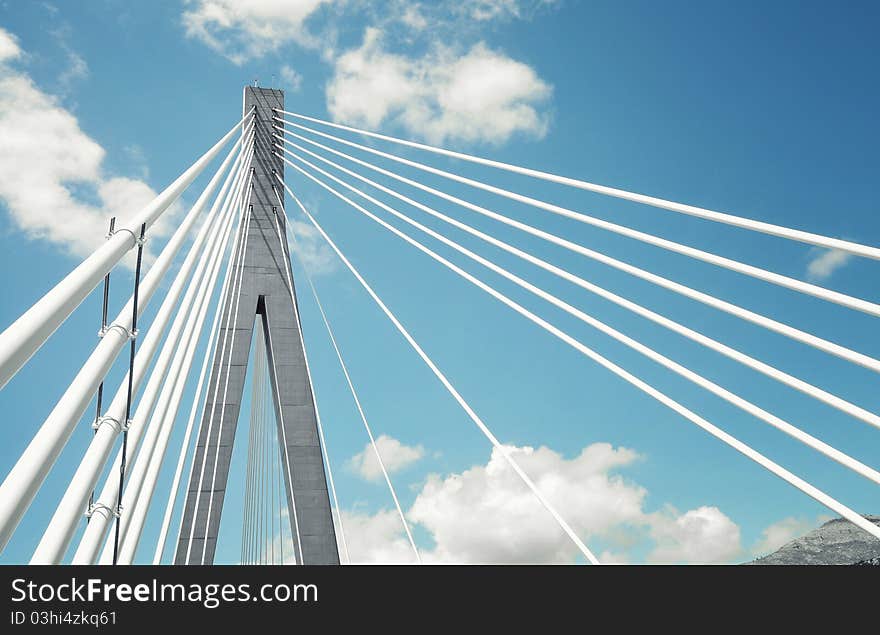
(122,427)
(96,506)
(138,241)
(129,333)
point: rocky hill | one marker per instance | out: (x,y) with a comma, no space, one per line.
(836,542)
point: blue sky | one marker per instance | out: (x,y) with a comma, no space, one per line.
(763,110)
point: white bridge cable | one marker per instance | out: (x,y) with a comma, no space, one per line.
(231,337)
(758,319)
(145,474)
(142,482)
(747,406)
(145,469)
(351,388)
(26,335)
(829,295)
(219,317)
(36,461)
(90,543)
(811,238)
(209,353)
(241,235)
(770,371)
(720,434)
(198,405)
(69,511)
(284,249)
(503,450)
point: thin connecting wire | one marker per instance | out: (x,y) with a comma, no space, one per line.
(691,210)
(503,450)
(743,448)
(770,371)
(351,388)
(93,537)
(138,494)
(859,304)
(260,366)
(251,494)
(284,249)
(704,298)
(130,396)
(298,552)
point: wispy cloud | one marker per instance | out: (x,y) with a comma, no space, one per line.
(825,262)
(782,532)
(290,79)
(312,251)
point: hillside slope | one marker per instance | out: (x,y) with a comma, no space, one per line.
(836,542)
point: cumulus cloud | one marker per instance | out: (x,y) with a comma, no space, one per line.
(395,455)
(69,199)
(241,31)
(702,535)
(826,262)
(481,95)
(376,538)
(460,90)
(486,515)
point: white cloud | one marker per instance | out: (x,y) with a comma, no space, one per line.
(482,95)
(413,17)
(704,535)
(51,176)
(781,532)
(489,9)
(376,539)
(9,49)
(311,249)
(826,262)
(486,515)
(77,69)
(290,79)
(395,455)
(242,31)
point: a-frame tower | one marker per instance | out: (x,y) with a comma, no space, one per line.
(266,293)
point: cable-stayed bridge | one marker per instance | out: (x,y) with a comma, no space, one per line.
(236,241)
